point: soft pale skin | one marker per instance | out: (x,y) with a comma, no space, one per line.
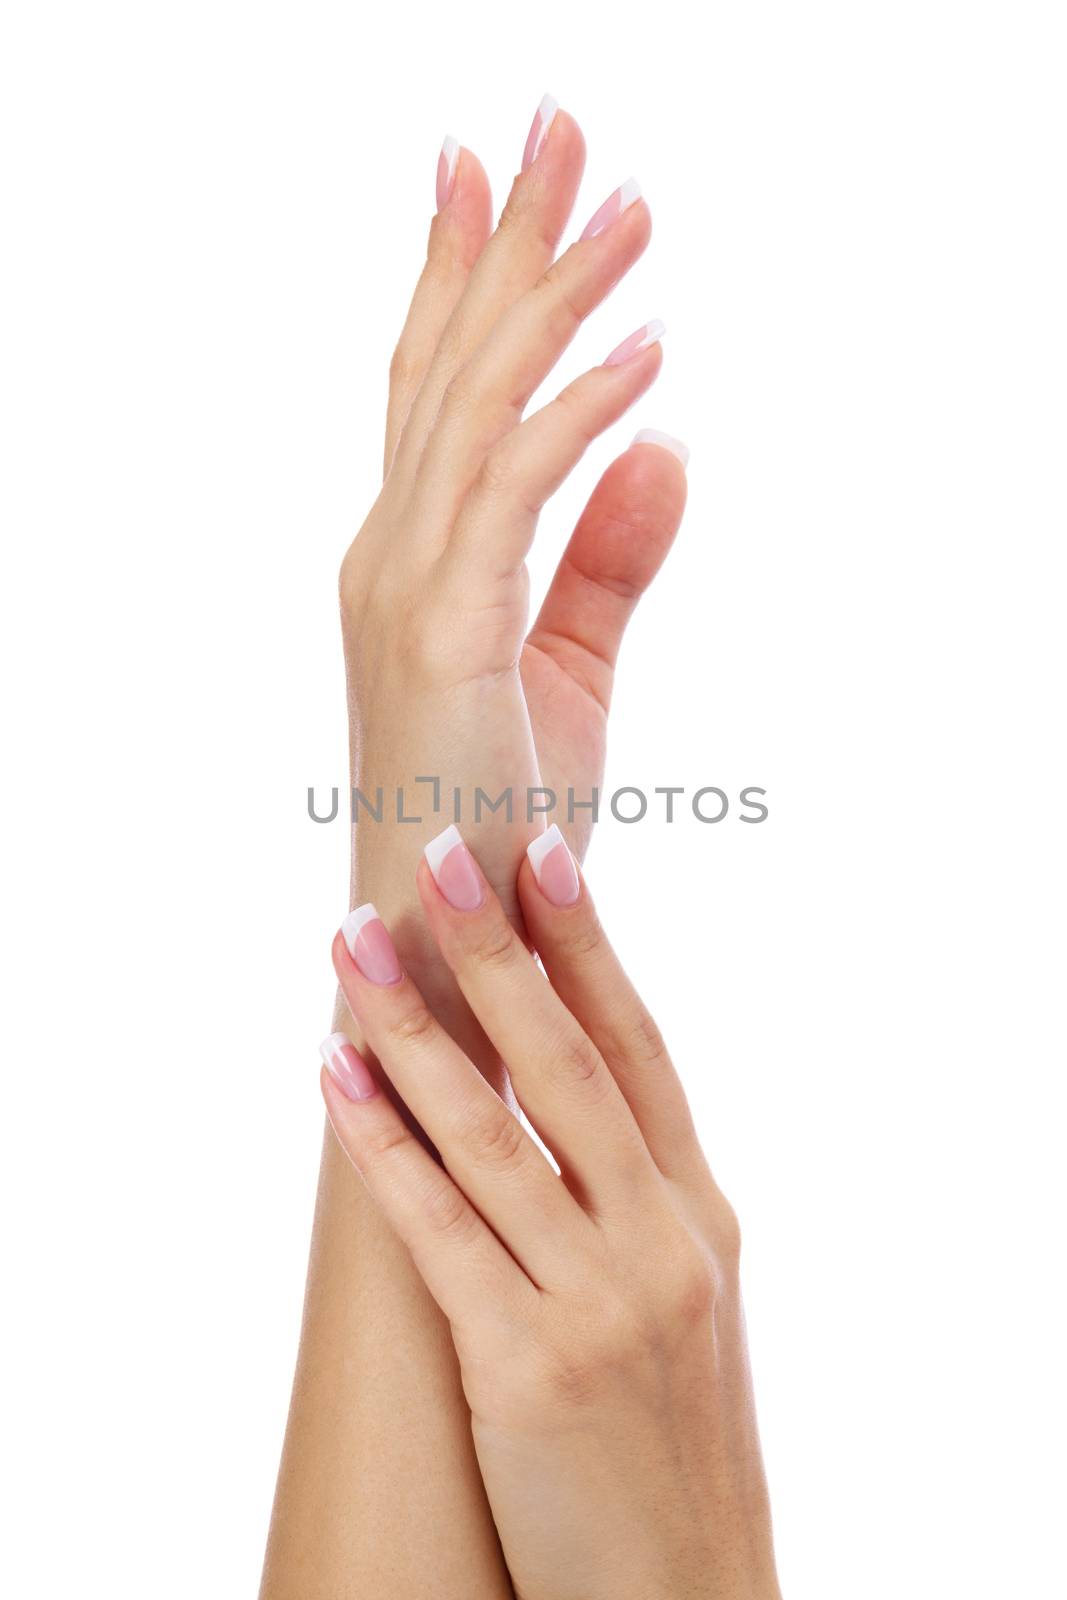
(596,1313)
(380,1491)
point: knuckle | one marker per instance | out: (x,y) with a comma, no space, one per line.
(572,403)
(403,372)
(521,214)
(414,1026)
(692,1288)
(497,473)
(579,1061)
(644,1041)
(351,579)
(566,314)
(574,1370)
(590,1352)
(447,1212)
(500,479)
(494,1137)
(512,215)
(458,391)
(726,1233)
(387,1141)
(582,940)
(494,946)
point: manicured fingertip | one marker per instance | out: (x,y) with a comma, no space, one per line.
(368,942)
(619,201)
(650,334)
(553,867)
(653,436)
(455,870)
(347,1068)
(446,170)
(544,117)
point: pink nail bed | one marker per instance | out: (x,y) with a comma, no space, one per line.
(553,867)
(543,119)
(651,333)
(454,870)
(446,171)
(347,1068)
(368,943)
(613,207)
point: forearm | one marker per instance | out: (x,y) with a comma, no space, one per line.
(379,1490)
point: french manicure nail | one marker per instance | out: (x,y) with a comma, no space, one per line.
(664,440)
(454,870)
(367,940)
(347,1068)
(553,867)
(446,171)
(542,121)
(651,333)
(613,207)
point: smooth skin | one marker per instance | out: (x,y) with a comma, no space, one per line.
(595,1311)
(379,1490)
(446,678)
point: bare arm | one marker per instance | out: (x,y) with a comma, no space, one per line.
(379,1492)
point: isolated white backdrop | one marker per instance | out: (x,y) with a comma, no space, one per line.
(213,214)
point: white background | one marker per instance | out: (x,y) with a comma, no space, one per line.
(213,214)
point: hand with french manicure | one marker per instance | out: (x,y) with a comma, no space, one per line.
(595,1311)
(444,676)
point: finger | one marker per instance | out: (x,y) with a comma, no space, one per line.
(465,1268)
(621,541)
(524,243)
(457,237)
(589,979)
(487,396)
(558,1075)
(520,473)
(482,1143)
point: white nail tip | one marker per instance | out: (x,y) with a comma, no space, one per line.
(450,151)
(628,193)
(354,924)
(546,115)
(654,332)
(438,848)
(331,1047)
(543,846)
(665,442)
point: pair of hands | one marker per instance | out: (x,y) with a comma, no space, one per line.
(594,1310)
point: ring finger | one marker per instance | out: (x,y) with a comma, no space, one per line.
(482,1143)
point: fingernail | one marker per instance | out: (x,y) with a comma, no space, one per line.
(369,945)
(651,333)
(454,870)
(613,207)
(446,171)
(539,127)
(664,440)
(553,867)
(347,1068)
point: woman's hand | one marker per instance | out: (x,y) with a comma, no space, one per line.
(596,1312)
(444,680)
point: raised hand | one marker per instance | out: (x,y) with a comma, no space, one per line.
(444,680)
